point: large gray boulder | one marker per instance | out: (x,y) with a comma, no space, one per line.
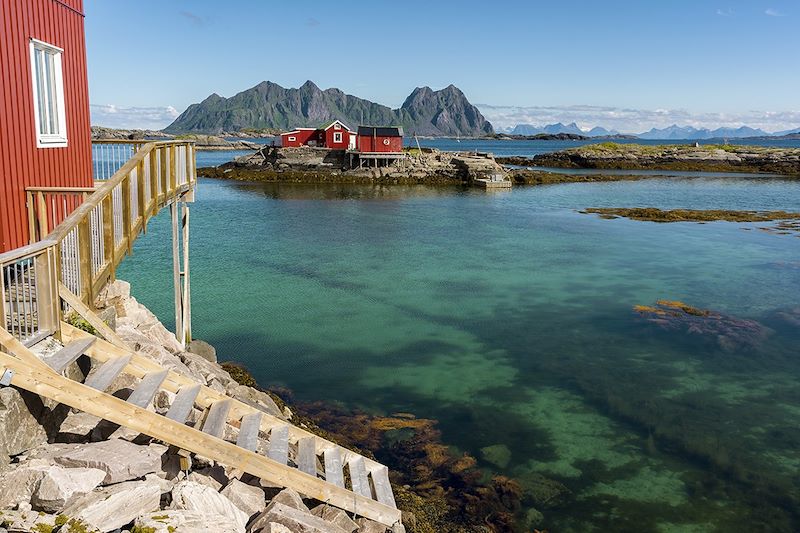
(59,486)
(247,498)
(112,507)
(294,520)
(336,516)
(119,459)
(183,521)
(203,349)
(191,496)
(19,415)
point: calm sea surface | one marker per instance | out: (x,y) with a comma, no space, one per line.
(509,318)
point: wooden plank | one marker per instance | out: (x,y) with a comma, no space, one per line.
(306,456)
(248,432)
(31,218)
(117,411)
(176,275)
(104,375)
(67,355)
(333,467)
(183,403)
(217,418)
(358,477)
(42,212)
(383,489)
(87,314)
(85,261)
(144,393)
(279,444)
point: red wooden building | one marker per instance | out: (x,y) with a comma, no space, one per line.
(336,136)
(382,140)
(45,137)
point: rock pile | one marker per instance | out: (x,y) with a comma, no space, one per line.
(69,471)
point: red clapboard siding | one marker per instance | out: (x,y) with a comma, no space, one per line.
(22,164)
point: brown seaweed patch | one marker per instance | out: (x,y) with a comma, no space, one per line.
(728,332)
(443,491)
(653,214)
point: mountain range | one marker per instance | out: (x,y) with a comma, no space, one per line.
(554,129)
(426,112)
(673,132)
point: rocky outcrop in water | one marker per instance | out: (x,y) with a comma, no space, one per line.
(730,158)
(320,165)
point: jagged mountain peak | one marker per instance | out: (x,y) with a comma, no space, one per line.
(268,105)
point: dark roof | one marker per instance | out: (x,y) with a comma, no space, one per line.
(393,131)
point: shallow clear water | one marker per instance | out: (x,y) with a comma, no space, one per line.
(508,317)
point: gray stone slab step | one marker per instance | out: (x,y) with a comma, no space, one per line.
(67,355)
(358,476)
(248,431)
(183,403)
(333,467)
(279,444)
(217,418)
(104,375)
(144,393)
(383,489)
(306,456)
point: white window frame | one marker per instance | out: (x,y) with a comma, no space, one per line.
(337,136)
(49,140)
(292,139)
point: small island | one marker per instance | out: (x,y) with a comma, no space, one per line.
(705,158)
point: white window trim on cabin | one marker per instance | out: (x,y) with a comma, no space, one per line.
(59,138)
(337,136)
(291,139)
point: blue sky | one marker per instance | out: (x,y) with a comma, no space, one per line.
(624,64)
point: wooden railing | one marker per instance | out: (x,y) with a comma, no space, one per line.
(79,236)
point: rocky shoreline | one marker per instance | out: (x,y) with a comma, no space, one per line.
(706,158)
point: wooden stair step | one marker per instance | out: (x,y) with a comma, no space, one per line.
(383,489)
(217,418)
(333,467)
(147,389)
(183,403)
(67,355)
(306,456)
(358,476)
(248,431)
(112,368)
(279,444)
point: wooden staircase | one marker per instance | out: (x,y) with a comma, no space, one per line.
(293,457)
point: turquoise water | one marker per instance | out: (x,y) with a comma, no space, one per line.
(508,317)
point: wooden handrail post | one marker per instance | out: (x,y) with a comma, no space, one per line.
(188,151)
(173,168)
(176,274)
(140,190)
(126,212)
(42,209)
(48,308)
(85,261)
(153,182)
(31,217)
(162,153)
(108,232)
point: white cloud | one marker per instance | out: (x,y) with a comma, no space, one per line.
(773,13)
(628,120)
(150,118)
(725,12)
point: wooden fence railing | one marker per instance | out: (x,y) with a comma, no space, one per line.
(79,236)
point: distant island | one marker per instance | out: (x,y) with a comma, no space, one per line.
(705,158)
(443,113)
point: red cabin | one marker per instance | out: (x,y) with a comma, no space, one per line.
(45,136)
(336,136)
(383,140)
